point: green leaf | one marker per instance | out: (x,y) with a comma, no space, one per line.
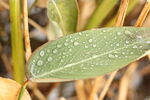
(63,15)
(88,54)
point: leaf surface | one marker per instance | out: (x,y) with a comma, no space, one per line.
(63,15)
(88,54)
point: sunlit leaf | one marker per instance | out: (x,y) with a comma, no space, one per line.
(63,15)
(88,54)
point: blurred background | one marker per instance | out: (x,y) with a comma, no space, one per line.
(40,33)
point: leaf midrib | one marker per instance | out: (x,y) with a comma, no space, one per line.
(88,59)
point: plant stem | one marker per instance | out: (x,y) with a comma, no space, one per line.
(16,41)
(23,88)
(143,14)
(122,13)
(26,30)
(131,6)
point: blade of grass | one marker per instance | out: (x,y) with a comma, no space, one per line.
(16,41)
(131,6)
(100,13)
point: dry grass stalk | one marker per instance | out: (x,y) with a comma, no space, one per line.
(37,26)
(26,30)
(88,86)
(79,84)
(124,84)
(108,83)
(36,91)
(119,22)
(145,71)
(122,13)
(143,15)
(125,81)
(97,84)
(2,3)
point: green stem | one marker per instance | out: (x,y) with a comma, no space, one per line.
(23,88)
(16,41)
(100,13)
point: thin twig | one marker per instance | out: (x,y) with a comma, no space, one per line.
(26,30)
(96,87)
(108,83)
(37,26)
(122,12)
(28,47)
(119,22)
(125,81)
(143,14)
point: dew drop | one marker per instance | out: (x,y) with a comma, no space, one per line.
(117,44)
(135,46)
(118,33)
(76,43)
(65,44)
(123,53)
(128,32)
(49,59)
(111,56)
(94,45)
(86,46)
(131,53)
(40,62)
(94,56)
(139,37)
(48,50)
(104,37)
(127,41)
(64,53)
(90,40)
(104,31)
(58,45)
(70,50)
(80,33)
(61,60)
(55,51)
(42,53)
(116,55)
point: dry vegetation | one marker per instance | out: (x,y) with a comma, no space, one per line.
(129,83)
